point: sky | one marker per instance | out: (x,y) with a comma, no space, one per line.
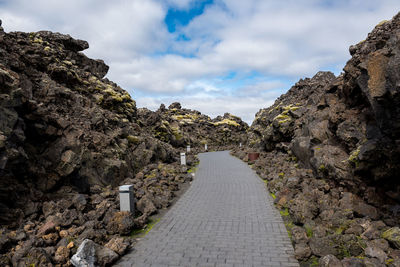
(214,56)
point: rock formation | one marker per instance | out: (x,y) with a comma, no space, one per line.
(68,138)
(181,127)
(331,155)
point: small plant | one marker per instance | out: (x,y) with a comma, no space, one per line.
(353,158)
(309,231)
(284,212)
(314,262)
(344,251)
(194,169)
(389,261)
(142,232)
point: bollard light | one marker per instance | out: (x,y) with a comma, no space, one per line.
(127,198)
(183,159)
(188,149)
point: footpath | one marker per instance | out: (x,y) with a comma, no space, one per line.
(225,218)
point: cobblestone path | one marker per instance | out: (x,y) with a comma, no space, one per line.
(226,218)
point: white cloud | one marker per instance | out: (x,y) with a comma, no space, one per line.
(203,86)
(280,40)
(116,30)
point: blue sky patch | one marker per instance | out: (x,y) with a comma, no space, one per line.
(176,18)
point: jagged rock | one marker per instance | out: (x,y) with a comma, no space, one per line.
(175,105)
(97,235)
(121,222)
(62,254)
(353,202)
(92,254)
(46,228)
(181,127)
(330,261)
(371,233)
(393,236)
(4,260)
(299,234)
(376,252)
(146,206)
(118,245)
(79,202)
(28,255)
(373,262)
(380,243)
(50,239)
(352,262)
(105,256)
(322,246)
(86,254)
(302,251)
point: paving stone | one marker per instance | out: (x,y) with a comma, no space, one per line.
(226,218)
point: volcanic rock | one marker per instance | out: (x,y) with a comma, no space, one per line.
(329,261)
(121,223)
(393,236)
(339,137)
(92,254)
(86,254)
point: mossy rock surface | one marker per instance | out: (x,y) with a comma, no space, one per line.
(393,236)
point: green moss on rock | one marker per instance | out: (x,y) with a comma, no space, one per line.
(226,121)
(393,236)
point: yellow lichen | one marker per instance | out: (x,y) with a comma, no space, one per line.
(133,139)
(187,117)
(381,23)
(291,107)
(66,62)
(177,133)
(282,118)
(353,158)
(152,174)
(37,40)
(226,121)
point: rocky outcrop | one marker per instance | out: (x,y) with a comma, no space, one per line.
(181,127)
(62,123)
(330,155)
(68,138)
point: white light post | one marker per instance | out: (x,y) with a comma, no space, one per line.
(127,198)
(183,159)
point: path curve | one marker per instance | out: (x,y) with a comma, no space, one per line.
(225,218)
